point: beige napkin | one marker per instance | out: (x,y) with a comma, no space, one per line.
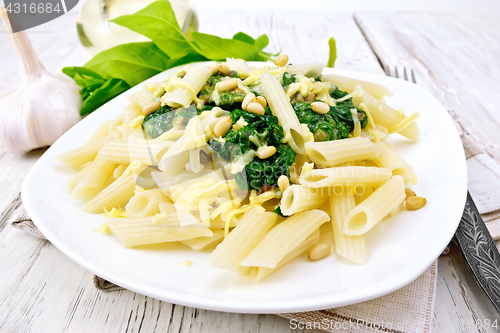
(409,309)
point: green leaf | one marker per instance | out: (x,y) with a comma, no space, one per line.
(157,22)
(106,92)
(244,38)
(261,42)
(217,48)
(132,63)
(185,59)
(333,52)
(76,73)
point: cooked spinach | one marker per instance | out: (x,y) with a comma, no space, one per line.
(229,100)
(159,122)
(260,131)
(334,125)
(287,79)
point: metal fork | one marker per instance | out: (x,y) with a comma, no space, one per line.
(474,238)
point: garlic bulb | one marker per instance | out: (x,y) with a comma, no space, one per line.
(41,107)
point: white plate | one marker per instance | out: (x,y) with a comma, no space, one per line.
(401,247)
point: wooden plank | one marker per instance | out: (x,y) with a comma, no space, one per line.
(455,58)
(42,290)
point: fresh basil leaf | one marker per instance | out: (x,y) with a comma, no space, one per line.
(76,73)
(106,92)
(133,63)
(333,52)
(185,59)
(244,38)
(261,42)
(217,48)
(157,22)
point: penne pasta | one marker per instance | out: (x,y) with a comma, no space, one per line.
(258,273)
(153,230)
(348,84)
(378,205)
(285,237)
(201,243)
(312,70)
(248,233)
(140,99)
(146,203)
(131,112)
(298,198)
(295,133)
(239,66)
(188,87)
(330,153)
(94,179)
(352,248)
(390,159)
(345,176)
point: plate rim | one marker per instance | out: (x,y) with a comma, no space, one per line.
(241,307)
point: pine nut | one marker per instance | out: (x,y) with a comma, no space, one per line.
(224,68)
(299,98)
(214,67)
(409,193)
(227,85)
(223,126)
(283,183)
(320,251)
(414,203)
(265,152)
(310,98)
(281,61)
(255,107)
(320,107)
(261,100)
(249,98)
(150,108)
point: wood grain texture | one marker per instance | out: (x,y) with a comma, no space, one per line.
(451,62)
(44,291)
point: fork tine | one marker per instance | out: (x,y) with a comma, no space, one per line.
(397,75)
(405,74)
(413,77)
(387,70)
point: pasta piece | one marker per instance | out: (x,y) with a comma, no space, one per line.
(141,98)
(145,203)
(298,198)
(384,115)
(248,233)
(352,248)
(80,156)
(345,176)
(94,179)
(391,160)
(188,87)
(131,112)
(381,203)
(240,66)
(349,84)
(152,230)
(311,70)
(75,179)
(295,134)
(201,243)
(119,170)
(258,273)
(101,132)
(121,151)
(118,192)
(330,153)
(285,237)
(361,193)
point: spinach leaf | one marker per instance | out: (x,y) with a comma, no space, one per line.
(260,131)
(261,42)
(216,48)
(157,22)
(333,52)
(287,79)
(133,63)
(96,90)
(163,120)
(244,38)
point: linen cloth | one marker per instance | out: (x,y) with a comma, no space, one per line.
(409,309)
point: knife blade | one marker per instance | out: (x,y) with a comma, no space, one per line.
(480,251)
